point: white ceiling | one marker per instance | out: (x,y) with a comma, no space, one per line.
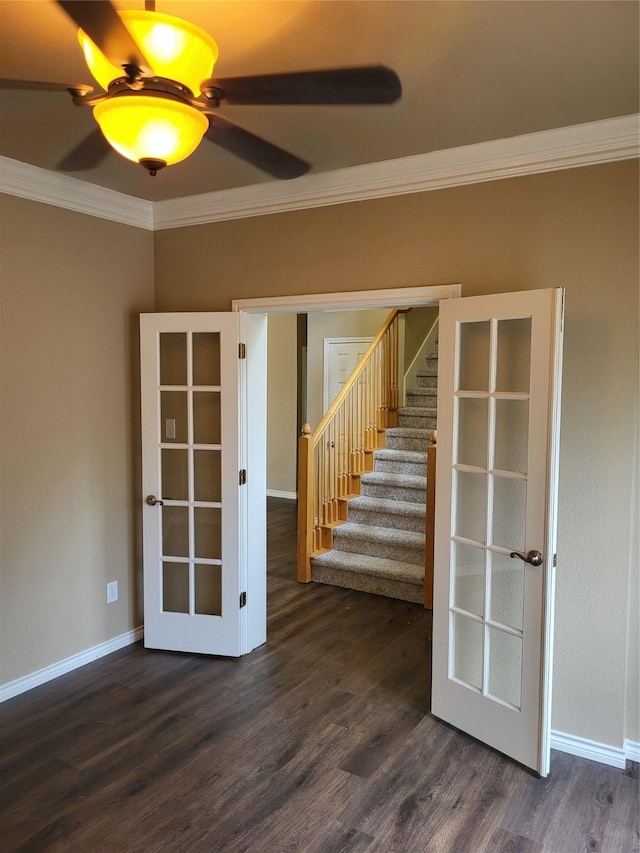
(471,72)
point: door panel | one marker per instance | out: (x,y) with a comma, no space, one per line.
(496,484)
(190,437)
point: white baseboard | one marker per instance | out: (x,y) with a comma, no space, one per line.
(602,752)
(274,493)
(632,750)
(34,679)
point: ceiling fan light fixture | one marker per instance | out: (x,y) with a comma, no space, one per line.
(176,49)
(151,128)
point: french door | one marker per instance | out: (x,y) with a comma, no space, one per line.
(194,577)
(496,485)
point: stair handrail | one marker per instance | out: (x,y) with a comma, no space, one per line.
(332,458)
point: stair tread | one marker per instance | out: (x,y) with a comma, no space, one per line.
(375,566)
(418,411)
(388,506)
(401,455)
(410,481)
(409,432)
(373,533)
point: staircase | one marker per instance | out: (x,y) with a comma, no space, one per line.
(381,547)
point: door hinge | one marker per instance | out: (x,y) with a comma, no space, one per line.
(243,599)
(555,560)
(242,350)
(242,477)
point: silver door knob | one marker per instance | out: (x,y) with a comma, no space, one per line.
(533,557)
(152,500)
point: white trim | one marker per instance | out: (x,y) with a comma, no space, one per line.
(586,144)
(546,151)
(604,753)
(391,297)
(41,676)
(632,750)
(275,493)
(31,182)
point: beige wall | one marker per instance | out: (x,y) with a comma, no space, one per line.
(71,288)
(281,402)
(578,229)
(333,324)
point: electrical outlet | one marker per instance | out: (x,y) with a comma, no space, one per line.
(170,427)
(112,592)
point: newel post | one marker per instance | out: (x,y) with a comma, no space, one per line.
(429,555)
(305,504)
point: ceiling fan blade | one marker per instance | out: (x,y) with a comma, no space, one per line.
(266,156)
(372,84)
(36,85)
(101,22)
(87,154)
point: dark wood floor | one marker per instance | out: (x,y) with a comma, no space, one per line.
(319,741)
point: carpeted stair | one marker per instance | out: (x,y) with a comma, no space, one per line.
(380,549)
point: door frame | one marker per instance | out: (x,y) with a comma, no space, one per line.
(253,407)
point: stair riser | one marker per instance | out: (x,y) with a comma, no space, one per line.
(391,466)
(366,583)
(383,550)
(398,442)
(429,401)
(416,421)
(410,523)
(398,493)
(425,381)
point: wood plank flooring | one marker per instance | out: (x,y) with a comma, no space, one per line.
(320,741)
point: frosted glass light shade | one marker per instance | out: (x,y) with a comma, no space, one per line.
(146,127)
(176,49)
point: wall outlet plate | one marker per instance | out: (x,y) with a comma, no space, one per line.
(112,592)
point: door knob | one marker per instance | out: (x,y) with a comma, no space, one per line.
(533,557)
(152,500)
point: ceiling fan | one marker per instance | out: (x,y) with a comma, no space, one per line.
(159,100)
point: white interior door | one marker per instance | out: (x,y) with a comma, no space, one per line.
(496,485)
(341,357)
(194,579)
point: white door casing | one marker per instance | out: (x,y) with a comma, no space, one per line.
(196,536)
(498,433)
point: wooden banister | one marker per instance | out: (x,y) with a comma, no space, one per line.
(340,450)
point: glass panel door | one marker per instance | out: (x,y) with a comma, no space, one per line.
(190,473)
(498,419)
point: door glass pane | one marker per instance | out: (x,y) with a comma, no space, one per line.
(173,358)
(173,416)
(512,435)
(208,591)
(206,417)
(509,512)
(514,354)
(208,530)
(175,475)
(467,650)
(472,432)
(175,587)
(474,356)
(507,590)
(175,531)
(468,592)
(471,506)
(206,358)
(207,475)
(505,666)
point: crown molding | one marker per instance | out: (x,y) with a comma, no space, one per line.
(546,151)
(36,184)
(550,150)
